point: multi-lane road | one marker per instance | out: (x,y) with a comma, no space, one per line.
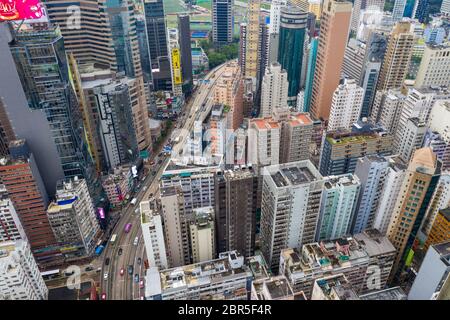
(124,287)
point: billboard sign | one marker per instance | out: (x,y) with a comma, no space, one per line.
(176,66)
(20,10)
(101,213)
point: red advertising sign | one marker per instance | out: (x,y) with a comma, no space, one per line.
(20,10)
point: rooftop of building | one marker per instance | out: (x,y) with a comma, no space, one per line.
(8,161)
(395,293)
(337,286)
(257,266)
(294,173)
(341,180)
(445,213)
(300,119)
(203,273)
(443,249)
(265,123)
(148,210)
(374,242)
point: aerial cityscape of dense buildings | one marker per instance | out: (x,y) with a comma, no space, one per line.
(225,150)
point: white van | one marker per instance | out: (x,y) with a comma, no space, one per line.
(136,241)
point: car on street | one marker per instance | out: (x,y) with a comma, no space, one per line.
(106,261)
(89,268)
(105,276)
(103,296)
(136,241)
(142,298)
(130,269)
(139,260)
(136,278)
(152,163)
(120,251)
(159,161)
(141,284)
(122,271)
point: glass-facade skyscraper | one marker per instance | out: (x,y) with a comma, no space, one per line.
(310,73)
(290,48)
(222,21)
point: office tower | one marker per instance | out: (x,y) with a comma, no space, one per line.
(176,226)
(252,39)
(295,138)
(432,273)
(312,56)
(333,35)
(44,74)
(157,43)
(439,201)
(109,106)
(434,69)
(202,235)
(341,149)
(72,217)
(420,182)
(274,89)
(345,105)
(290,47)
(222,21)
(421,11)
(371,171)
(357,258)
(144,52)
(263,51)
(359,7)
(440,230)
(225,278)
(315,7)
(337,207)
(354,56)
(439,122)
(20,278)
(88,38)
(440,147)
(393,180)
(387,108)
(10,225)
(153,234)
(229,90)
(397,57)
(242,45)
(275,15)
(410,138)
(398,10)
(236,194)
(291,192)
(184,30)
(335,287)
(21,173)
(6,131)
(274,288)
(263,142)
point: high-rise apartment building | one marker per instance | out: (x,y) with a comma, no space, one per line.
(225,278)
(341,149)
(153,234)
(335,287)
(387,108)
(356,257)
(236,195)
(418,186)
(361,5)
(274,89)
(398,10)
(252,58)
(20,278)
(433,273)
(434,69)
(290,47)
(439,123)
(411,138)
(275,15)
(295,138)
(338,206)
(345,105)
(222,21)
(10,225)
(334,29)
(371,171)
(264,141)
(290,204)
(354,56)
(397,57)
(21,174)
(393,181)
(73,219)
(202,235)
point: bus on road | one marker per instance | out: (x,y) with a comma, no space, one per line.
(113,239)
(127,227)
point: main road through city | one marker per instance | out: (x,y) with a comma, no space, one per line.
(124,287)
